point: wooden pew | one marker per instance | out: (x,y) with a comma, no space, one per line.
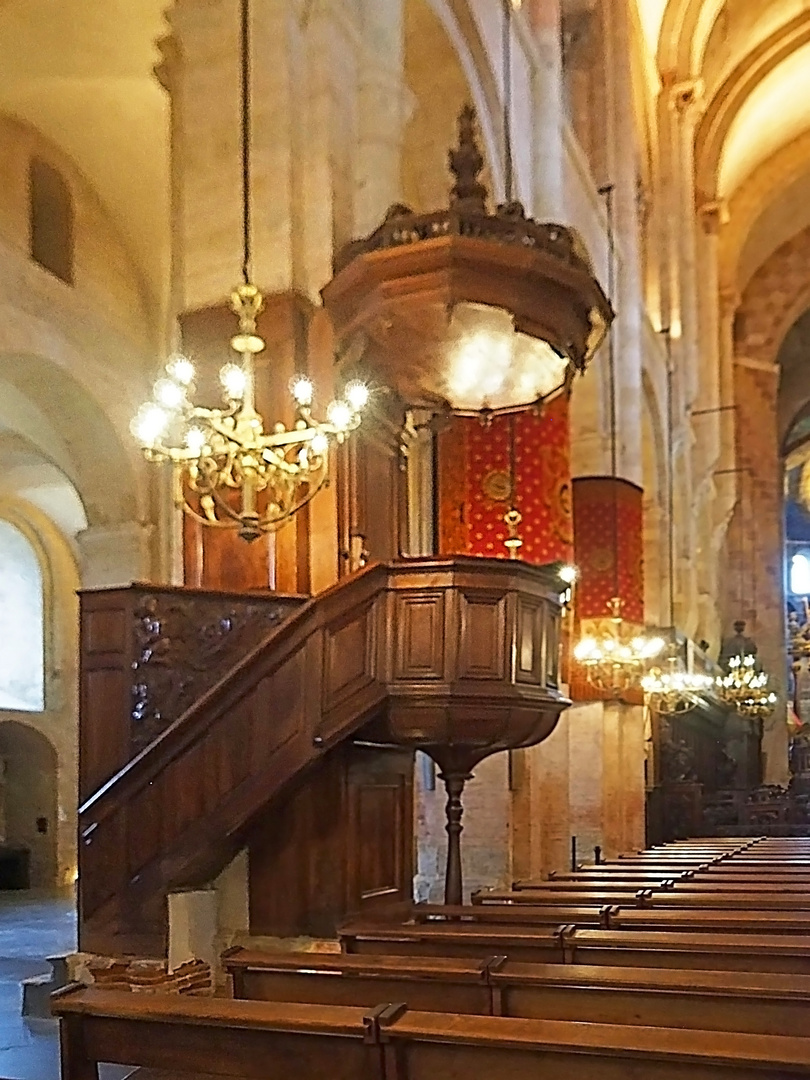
(616,948)
(704,898)
(266,1041)
(679,884)
(614,917)
(718,1001)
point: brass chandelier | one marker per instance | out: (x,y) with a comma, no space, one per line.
(228,471)
(615,662)
(745,688)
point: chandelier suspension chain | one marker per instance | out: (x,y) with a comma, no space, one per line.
(670,473)
(508,165)
(245,76)
(607,192)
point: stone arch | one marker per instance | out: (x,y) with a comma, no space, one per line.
(685,30)
(773,299)
(23,601)
(58,722)
(28,797)
(754,199)
(716,122)
(47,406)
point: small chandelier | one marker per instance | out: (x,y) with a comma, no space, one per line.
(672,689)
(228,471)
(615,663)
(745,688)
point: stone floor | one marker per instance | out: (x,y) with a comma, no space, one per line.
(33,926)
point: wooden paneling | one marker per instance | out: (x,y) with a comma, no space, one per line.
(340,842)
(529,653)
(420,639)
(482,644)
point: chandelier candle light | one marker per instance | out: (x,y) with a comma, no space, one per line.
(228,471)
(745,687)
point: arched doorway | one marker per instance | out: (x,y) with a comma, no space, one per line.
(28,799)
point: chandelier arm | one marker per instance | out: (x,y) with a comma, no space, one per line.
(271,525)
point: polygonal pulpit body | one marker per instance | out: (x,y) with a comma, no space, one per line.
(468,311)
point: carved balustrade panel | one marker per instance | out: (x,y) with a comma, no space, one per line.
(185,644)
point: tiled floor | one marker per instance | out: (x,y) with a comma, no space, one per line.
(33,926)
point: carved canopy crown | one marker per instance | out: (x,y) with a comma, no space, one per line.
(399,287)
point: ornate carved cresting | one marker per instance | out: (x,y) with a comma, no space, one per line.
(185,644)
(467,216)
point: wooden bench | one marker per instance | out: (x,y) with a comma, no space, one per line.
(616,948)
(615,917)
(719,1001)
(261,1040)
(702,898)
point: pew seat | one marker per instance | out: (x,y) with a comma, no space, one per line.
(611,916)
(625,948)
(270,1041)
(709,1000)
(699,899)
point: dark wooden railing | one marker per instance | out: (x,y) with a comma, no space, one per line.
(148,653)
(459,648)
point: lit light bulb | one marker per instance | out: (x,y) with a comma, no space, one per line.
(169,394)
(302,390)
(195,440)
(181,369)
(234,381)
(654,646)
(568,574)
(356,393)
(149,424)
(319,444)
(585,649)
(339,415)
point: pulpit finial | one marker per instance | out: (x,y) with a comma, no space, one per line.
(466,162)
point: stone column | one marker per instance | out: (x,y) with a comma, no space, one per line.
(544,50)
(540,814)
(384,106)
(113,555)
(606,776)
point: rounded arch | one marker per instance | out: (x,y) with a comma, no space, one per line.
(28,798)
(22,619)
(716,124)
(46,406)
(773,300)
(685,29)
(58,722)
(755,201)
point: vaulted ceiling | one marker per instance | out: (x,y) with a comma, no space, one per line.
(80,71)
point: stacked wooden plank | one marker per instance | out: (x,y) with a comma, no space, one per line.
(686,960)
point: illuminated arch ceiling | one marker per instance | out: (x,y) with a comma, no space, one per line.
(775,113)
(81,72)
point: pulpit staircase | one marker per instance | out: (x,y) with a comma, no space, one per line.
(199,709)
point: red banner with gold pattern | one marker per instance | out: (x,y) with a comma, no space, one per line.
(608,553)
(475,481)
